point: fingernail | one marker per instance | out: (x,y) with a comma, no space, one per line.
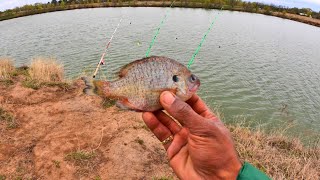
(168,98)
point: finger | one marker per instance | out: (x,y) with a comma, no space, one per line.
(168,122)
(158,129)
(180,140)
(201,108)
(180,110)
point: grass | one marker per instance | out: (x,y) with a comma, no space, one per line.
(107,103)
(6,82)
(162,178)
(139,141)
(23,71)
(56,163)
(8,119)
(46,70)
(34,84)
(85,161)
(277,155)
(79,157)
(43,72)
(6,68)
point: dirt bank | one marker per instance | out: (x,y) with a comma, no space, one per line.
(67,135)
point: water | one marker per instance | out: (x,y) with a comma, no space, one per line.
(250,65)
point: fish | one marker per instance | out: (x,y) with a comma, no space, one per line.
(141,82)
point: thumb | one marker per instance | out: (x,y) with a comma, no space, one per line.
(180,110)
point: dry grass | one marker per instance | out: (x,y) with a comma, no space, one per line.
(277,155)
(6,68)
(46,70)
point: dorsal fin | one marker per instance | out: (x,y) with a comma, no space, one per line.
(126,68)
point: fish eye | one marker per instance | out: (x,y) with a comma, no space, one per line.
(193,78)
(175,78)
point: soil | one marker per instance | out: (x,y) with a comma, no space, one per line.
(64,134)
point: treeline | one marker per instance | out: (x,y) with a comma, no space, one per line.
(237,5)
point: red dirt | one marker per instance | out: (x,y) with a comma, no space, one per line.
(53,123)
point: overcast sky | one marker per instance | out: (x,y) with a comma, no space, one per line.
(313,4)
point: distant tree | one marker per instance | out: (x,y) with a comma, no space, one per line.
(267,10)
(54,2)
(62,4)
(232,3)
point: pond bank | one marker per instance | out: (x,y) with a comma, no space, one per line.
(57,132)
(294,17)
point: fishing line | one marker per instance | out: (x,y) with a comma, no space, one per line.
(101,62)
(202,40)
(158,30)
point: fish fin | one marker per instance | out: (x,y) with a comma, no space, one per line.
(126,105)
(94,87)
(126,68)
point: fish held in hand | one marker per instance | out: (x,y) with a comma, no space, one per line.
(142,81)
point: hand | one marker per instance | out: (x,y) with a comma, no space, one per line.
(202,148)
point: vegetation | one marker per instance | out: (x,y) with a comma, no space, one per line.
(79,157)
(2,177)
(277,155)
(237,5)
(6,68)
(46,70)
(8,119)
(56,163)
(42,72)
(107,102)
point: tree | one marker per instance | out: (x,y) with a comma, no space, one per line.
(54,2)
(267,10)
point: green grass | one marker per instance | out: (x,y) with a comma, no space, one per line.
(2,177)
(23,70)
(139,141)
(107,103)
(8,119)
(62,85)
(34,84)
(80,156)
(56,163)
(162,178)
(6,82)
(31,84)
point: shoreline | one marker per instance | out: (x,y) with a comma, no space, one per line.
(293,17)
(86,137)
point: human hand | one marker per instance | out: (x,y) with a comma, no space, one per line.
(202,148)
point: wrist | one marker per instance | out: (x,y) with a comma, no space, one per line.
(231,171)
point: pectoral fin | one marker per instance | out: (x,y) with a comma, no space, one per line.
(127,105)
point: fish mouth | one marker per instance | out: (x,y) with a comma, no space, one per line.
(195,87)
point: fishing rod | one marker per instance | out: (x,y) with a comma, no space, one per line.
(101,62)
(158,30)
(202,40)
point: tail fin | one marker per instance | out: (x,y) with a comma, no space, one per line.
(94,87)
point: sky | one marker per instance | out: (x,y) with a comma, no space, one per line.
(313,4)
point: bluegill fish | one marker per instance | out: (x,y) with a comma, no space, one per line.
(142,81)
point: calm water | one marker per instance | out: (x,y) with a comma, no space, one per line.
(251,66)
